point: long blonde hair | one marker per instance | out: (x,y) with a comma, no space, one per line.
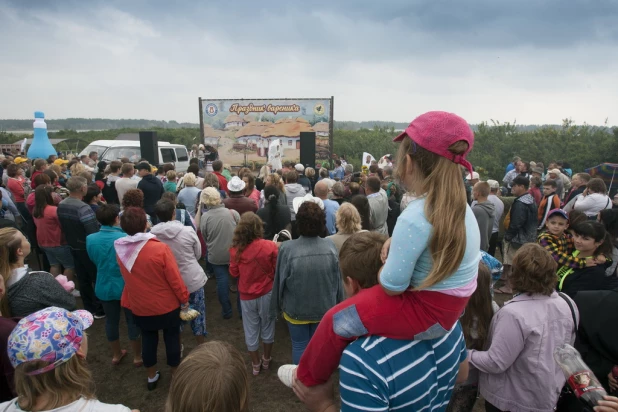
(9,244)
(220,370)
(64,384)
(442,182)
(276,181)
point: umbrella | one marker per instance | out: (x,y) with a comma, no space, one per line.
(605,171)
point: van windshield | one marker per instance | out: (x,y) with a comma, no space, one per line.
(117,153)
(93,148)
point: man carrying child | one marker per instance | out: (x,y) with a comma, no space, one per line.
(374,369)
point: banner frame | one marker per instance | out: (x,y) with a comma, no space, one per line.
(331,120)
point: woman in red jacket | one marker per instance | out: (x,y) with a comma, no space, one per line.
(154,290)
(253,261)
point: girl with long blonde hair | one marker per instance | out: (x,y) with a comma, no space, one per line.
(432,258)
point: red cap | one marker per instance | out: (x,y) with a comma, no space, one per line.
(437,131)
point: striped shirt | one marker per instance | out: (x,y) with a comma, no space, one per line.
(380,374)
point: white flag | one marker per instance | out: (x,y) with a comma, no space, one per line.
(23,144)
(367,158)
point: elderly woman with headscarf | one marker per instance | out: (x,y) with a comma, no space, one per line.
(217,224)
(307,279)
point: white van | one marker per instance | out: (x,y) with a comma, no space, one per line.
(109,150)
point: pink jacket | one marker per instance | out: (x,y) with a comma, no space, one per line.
(518,372)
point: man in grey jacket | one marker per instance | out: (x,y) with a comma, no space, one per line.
(293,190)
(484,211)
(378,205)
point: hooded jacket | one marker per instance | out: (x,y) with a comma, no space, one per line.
(153,190)
(256,269)
(292,191)
(187,250)
(484,214)
(523,221)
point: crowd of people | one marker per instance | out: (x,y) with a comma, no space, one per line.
(388,274)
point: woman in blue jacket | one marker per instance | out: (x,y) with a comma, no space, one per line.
(110,284)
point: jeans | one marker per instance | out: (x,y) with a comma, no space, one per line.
(86,273)
(300,336)
(112,321)
(222,275)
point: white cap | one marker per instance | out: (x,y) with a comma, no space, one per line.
(493,184)
(299,168)
(474,176)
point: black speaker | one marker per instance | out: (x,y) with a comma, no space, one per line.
(149,147)
(307,148)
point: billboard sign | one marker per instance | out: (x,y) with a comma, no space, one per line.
(243,129)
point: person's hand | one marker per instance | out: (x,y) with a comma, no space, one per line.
(609,404)
(184,306)
(613,383)
(385,248)
(591,262)
(318,398)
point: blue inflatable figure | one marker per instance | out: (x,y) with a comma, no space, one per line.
(41,147)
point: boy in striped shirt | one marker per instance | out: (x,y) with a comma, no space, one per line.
(378,373)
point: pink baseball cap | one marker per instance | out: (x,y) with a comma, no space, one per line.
(436,131)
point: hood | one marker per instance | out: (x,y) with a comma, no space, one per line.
(149,178)
(487,207)
(128,247)
(167,230)
(526,199)
(294,187)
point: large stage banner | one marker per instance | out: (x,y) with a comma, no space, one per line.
(243,129)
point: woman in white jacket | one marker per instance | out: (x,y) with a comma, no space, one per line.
(185,246)
(594,199)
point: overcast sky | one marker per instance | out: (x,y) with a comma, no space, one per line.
(533,61)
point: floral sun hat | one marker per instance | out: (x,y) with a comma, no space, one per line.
(53,335)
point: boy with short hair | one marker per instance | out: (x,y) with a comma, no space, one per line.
(559,243)
(550,201)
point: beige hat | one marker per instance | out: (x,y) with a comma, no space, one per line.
(554,171)
(493,184)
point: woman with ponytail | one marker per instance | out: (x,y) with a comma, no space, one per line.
(275,216)
(430,272)
(27,291)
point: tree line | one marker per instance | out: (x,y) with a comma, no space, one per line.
(581,146)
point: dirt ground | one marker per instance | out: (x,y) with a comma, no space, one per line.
(126,385)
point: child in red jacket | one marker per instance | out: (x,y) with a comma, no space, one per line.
(253,261)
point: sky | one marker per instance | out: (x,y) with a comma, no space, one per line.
(525,61)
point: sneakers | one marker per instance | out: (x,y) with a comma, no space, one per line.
(286,374)
(99,315)
(153,385)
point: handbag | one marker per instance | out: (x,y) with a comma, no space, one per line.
(282,236)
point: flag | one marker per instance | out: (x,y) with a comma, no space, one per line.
(367,158)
